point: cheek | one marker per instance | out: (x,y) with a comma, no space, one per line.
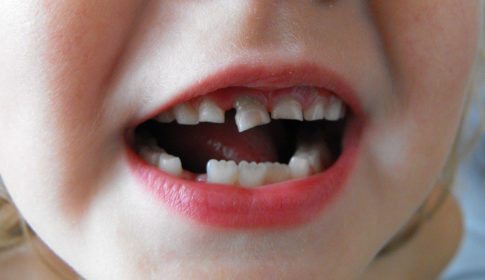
(430,46)
(82,42)
(57,59)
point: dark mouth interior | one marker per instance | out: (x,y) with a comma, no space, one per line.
(195,145)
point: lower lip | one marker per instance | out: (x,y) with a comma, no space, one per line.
(289,203)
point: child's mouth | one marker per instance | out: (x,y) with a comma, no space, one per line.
(251,146)
(246,137)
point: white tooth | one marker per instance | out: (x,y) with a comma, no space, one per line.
(222,172)
(252,174)
(334,109)
(210,112)
(186,114)
(150,155)
(317,154)
(299,166)
(165,117)
(287,108)
(316,111)
(250,113)
(170,164)
(277,172)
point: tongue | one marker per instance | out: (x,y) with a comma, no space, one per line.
(195,145)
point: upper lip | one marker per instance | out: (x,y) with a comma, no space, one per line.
(267,76)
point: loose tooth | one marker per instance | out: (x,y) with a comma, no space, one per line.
(210,112)
(250,113)
(277,172)
(170,164)
(150,155)
(186,114)
(222,172)
(287,108)
(299,167)
(165,117)
(316,111)
(334,109)
(252,174)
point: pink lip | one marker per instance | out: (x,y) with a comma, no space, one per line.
(289,203)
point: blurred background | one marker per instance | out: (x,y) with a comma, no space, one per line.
(469,263)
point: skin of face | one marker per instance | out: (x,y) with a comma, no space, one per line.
(74,75)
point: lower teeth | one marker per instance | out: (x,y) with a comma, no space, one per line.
(309,158)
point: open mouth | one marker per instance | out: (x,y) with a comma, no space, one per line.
(250,147)
(246,137)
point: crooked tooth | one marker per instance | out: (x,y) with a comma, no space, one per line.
(170,164)
(316,111)
(300,166)
(277,172)
(186,114)
(165,117)
(250,113)
(210,112)
(222,172)
(252,174)
(287,108)
(335,109)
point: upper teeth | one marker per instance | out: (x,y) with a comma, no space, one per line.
(210,112)
(287,108)
(252,112)
(316,110)
(185,113)
(335,109)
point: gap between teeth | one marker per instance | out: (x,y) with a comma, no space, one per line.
(309,159)
(250,112)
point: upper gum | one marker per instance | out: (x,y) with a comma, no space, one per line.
(226,97)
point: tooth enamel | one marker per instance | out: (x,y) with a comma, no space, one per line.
(334,109)
(150,155)
(186,114)
(287,108)
(299,166)
(222,172)
(317,154)
(210,112)
(170,164)
(316,111)
(165,117)
(250,113)
(277,172)
(252,174)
